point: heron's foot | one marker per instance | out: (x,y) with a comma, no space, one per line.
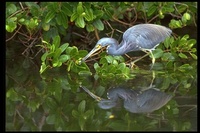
(132,65)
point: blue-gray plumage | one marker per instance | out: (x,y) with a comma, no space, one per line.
(138,37)
(134,101)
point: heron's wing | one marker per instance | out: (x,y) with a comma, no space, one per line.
(152,99)
(145,36)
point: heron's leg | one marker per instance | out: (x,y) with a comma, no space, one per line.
(153,77)
(133,62)
(153,59)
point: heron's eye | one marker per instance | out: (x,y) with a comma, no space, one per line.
(98,46)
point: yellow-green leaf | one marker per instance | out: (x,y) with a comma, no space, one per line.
(50,15)
(80,22)
(98,24)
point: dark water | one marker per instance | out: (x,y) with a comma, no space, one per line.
(55,101)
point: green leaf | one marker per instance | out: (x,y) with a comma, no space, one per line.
(81,106)
(185,67)
(191,43)
(181,8)
(182,55)
(50,102)
(157,53)
(166,83)
(64,46)
(193,50)
(33,105)
(178,24)
(175,111)
(151,10)
(75,114)
(100,90)
(67,9)
(81,122)
(43,68)
(109,59)
(33,23)
(89,14)
(168,57)
(64,20)
(11,28)
(59,18)
(51,54)
(64,58)
(58,93)
(71,63)
(10,9)
(80,8)
(56,41)
(186,16)
(72,50)
(45,26)
(11,24)
(12,95)
(98,14)
(96,66)
(80,22)
(88,113)
(55,6)
(98,24)
(74,16)
(82,53)
(167,42)
(35,9)
(194,56)
(50,15)
(84,73)
(57,53)
(175,24)
(51,119)
(121,66)
(89,27)
(56,63)
(185,37)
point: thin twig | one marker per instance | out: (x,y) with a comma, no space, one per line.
(120,21)
(78,34)
(153,18)
(21,6)
(96,33)
(18,12)
(135,16)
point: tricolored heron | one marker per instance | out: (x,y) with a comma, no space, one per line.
(134,101)
(139,37)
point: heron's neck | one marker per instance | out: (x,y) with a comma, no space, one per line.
(116,48)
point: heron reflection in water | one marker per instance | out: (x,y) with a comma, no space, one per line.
(145,37)
(134,101)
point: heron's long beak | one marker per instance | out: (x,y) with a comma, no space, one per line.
(91,94)
(96,48)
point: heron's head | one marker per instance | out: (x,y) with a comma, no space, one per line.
(100,44)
